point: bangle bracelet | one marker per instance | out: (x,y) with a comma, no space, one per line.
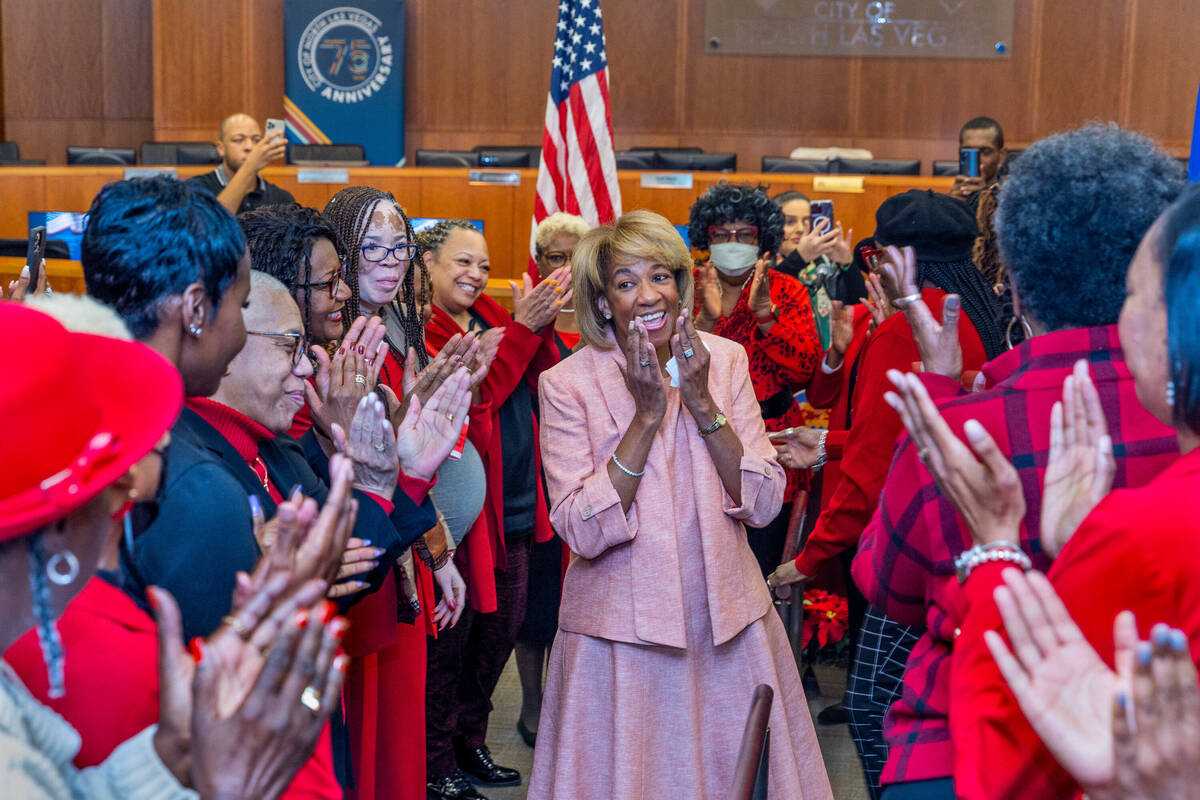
(978,555)
(626,469)
(907,300)
(821,456)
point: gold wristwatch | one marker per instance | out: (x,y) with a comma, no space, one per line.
(718,422)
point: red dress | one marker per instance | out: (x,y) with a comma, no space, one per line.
(523,355)
(782,360)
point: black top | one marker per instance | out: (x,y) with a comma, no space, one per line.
(516,448)
(265,194)
(203,534)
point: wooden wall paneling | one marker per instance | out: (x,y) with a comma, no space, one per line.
(1163,66)
(22,189)
(64,276)
(73,188)
(644,45)
(446,193)
(1080,73)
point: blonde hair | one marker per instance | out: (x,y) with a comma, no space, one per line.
(556,223)
(634,236)
(81,314)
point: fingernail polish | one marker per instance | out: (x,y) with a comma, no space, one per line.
(1179,640)
(1161,634)
(196,648)
(338,628)
(295,493)
(301,619)
(379,551)
(361,350)
(341,351)
(340,663)
(327,611)
(152,599)
(1143,652)
(255,506)
(1122,699)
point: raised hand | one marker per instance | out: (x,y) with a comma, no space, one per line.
(708,295)
(343,381)
(937,343)
(1064,688)
(643,376)
(489,347)
(1158,756)
(877,303)
(459,349)
(759,299)
(370,447)
(842,251)
(1080,466)
(986,491)
(841,332)
(18,289)
(429,432)
(798,448)
(535,307)
(818,242)
(255,749)
(268,149)
(692,358)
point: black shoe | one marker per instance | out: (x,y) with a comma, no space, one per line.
(812,689)
(527,736)
(833,715)
(480,768)
(452,787)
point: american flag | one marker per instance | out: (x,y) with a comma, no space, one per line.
(578,170)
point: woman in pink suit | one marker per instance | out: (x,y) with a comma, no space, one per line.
(666,625)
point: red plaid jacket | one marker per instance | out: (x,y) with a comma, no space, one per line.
(905,564)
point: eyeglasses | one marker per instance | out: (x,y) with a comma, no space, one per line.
(379,252)
(719,235)
(557,258)
(333,283)
(297,342)
(870,256)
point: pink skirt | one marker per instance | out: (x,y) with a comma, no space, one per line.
(626,721)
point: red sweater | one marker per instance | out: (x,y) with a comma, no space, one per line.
(869,445)
(905,563)
(523,355)
(1114,561)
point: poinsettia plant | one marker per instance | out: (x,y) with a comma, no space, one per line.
(826,619)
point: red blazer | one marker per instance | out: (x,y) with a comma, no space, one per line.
(1136,550)
(868,449)
(523,355)
(111,679)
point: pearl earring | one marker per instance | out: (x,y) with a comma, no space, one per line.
(607,315)
(194,330)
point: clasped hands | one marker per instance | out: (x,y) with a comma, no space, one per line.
(644,375)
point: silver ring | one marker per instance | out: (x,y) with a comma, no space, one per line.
(360,378)
(310,698)
(689,353)
(645,363)
(450,416)
(238,627)
(380,447)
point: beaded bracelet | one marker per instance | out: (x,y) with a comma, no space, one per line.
(626,469)
(978,555)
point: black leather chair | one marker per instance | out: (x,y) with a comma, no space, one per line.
(877,166)
(447,158)
(635,159)
(316,154)
(101,156)
(945,169)
(807,166)
(17,248)
(184,153)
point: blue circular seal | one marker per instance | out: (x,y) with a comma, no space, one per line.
(342,56)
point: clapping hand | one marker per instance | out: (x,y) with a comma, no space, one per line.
(343,381)
(759,299)
(370,447)
(937,343)
(841,333)
(643,376)
(986,491)
(708,295)
(692,358)
(429,431)
(1080,466)
(842,251)
(535,307)
(798,448)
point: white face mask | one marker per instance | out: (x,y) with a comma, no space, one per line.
(733,257)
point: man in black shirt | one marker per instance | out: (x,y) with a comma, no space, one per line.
(236,182)
(985,134)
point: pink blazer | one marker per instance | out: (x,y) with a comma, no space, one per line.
(623,582)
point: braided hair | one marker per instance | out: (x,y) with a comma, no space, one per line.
(978,300)
(431,239)
(280,240)
(986,255)
(350,213)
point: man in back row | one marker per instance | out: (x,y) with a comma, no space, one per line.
(985,134)
(236,182)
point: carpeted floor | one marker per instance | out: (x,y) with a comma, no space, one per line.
(841,761)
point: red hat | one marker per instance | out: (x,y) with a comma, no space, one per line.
(79,410)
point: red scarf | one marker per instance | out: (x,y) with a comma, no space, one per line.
(243,433)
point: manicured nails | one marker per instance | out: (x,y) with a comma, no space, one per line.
(1123,699)
(974,430)
(338,628)
(1144,652)
(256,509)
(196,648)
(301,619)
(294,494)
(1179,640)
(1160,634)
(378,551)
(152,599)
(326,610)
(341,663)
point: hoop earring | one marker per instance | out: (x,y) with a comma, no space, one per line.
(58,577)
(1008,332)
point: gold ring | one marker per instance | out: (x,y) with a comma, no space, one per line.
(450,416)
(923,455)
(360,378)
(310,698)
